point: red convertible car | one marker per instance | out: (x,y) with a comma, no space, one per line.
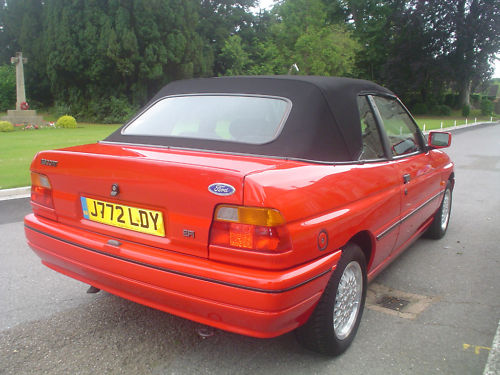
(258,205)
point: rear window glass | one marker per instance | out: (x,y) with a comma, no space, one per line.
(234,118)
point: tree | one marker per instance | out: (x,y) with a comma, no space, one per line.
(233,58)
(220,19)
(374,27)
(328,50)
(266,59)
(475,29)
(8,37)
(7,87)
(21,29)
(416,54)
(420,48)
(106,57)
(100,59)
(302,34)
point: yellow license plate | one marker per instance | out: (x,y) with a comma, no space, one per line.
(128,217)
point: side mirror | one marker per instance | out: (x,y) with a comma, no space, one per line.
(439,139)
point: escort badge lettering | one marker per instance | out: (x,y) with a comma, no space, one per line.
(50,163)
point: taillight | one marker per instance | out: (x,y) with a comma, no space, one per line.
(41,190)
(251,228)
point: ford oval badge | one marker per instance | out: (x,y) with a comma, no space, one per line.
(221,189)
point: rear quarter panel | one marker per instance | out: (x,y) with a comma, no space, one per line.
(340,200)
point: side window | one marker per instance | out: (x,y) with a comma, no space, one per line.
(372,145)
(403,134)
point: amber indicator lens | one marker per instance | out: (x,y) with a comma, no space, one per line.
(250,228)
(249,215)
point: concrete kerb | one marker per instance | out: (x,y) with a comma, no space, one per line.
(24,192)
(16,193)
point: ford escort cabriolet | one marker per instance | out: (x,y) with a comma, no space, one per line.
(257,205)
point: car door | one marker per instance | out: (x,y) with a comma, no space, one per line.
(384,175)
(419,176)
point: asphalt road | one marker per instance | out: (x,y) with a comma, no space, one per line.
(49,325)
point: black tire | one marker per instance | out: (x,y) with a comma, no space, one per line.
(319,333)
(441,220)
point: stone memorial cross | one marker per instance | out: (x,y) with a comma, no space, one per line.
(19,116)
(21,93)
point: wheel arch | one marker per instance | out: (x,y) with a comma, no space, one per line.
(366,241)
(451,178)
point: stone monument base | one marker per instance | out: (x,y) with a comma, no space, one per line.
(23,117)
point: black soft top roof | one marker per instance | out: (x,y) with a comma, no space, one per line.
(323,124)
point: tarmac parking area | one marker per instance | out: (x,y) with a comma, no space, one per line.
(434,310)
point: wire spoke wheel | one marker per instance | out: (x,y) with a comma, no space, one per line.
(334,322)
(439,225)
(347,300)
(445,210)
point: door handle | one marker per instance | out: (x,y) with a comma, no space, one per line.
(406,178)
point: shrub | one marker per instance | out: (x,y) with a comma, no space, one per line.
(62,109)
(475,113)
(66,122)
(466,110)
(497,106)
(486,107)
(442,110)
(451,100)
(7,87)
(110,110)
(6,126)
(475,98)
(420,109)
(107,110)
(120,111)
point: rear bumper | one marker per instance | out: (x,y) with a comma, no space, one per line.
(247,301)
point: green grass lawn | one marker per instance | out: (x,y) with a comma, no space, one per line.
(17,148)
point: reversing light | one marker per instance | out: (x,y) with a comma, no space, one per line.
(38,179)
(250,228)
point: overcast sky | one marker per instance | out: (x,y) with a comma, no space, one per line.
(265,3)
(497,68)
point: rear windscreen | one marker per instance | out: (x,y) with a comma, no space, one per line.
(234,118)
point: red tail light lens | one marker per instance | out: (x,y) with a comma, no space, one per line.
(260,229)
(41,190)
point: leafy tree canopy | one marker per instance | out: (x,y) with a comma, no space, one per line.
(102,59)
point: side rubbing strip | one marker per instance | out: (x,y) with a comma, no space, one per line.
(400,221)
(272,291)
